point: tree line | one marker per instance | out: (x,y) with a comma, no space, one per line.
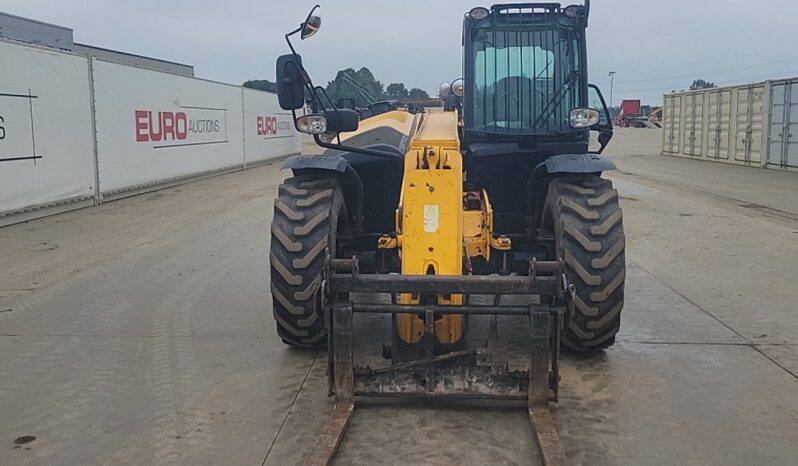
(360,85)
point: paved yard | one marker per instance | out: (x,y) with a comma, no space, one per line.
(140,332)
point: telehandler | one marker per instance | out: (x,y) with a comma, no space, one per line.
(500,196)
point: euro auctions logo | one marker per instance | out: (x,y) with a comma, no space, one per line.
(167,125)
(274,126)
(181,128)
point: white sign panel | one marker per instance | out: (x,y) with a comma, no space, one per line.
(155,126)
(46,141)
(269,131)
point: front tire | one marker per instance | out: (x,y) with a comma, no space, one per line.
(307,214)
(588,229)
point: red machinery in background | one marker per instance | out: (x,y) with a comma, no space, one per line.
(629,113)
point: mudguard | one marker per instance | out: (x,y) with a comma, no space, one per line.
(349,166)
(576,163)
(319,162)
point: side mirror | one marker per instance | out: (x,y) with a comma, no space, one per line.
(312,23)
(290,82)
(342,120)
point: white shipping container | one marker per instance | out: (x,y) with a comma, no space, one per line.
(671,124)
(783,129)
(693,123)
(749,123)
(718,123)
(721,124)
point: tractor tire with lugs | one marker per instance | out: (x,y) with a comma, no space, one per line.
(306,216)
(588,229)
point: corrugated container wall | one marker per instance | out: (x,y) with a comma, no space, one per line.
(724,124)
(782,139)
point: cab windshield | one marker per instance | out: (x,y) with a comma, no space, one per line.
(524,81)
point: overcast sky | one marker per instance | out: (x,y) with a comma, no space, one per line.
(653,45)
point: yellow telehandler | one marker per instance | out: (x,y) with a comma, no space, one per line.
(497,196)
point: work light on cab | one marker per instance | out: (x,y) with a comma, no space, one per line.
(458,87)
(479,13)
(445,89)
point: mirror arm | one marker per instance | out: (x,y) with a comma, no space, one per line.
(306,81)
(293,117)
(357,150)
(324,93)
(295,30)
(305,76)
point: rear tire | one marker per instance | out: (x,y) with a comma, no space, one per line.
(588,229)
(307,214)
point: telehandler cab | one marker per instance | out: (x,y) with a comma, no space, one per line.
(500,196)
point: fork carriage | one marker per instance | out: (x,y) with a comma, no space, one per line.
(462,373)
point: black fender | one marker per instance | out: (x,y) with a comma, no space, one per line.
(334,160)
(574,163)
(333,165)
(347,166)
(316,162)
(561,164)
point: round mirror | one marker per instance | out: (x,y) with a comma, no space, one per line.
(312,24)
(458,87)
(445,89)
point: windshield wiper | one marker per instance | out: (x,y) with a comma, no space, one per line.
(551,105)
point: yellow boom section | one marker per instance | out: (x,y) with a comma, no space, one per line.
(430,219)
(397,120)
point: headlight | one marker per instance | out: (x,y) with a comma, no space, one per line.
(584,117)
(312,124)
(479,13)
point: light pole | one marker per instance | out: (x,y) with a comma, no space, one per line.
(612,81)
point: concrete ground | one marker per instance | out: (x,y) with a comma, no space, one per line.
(140,332)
